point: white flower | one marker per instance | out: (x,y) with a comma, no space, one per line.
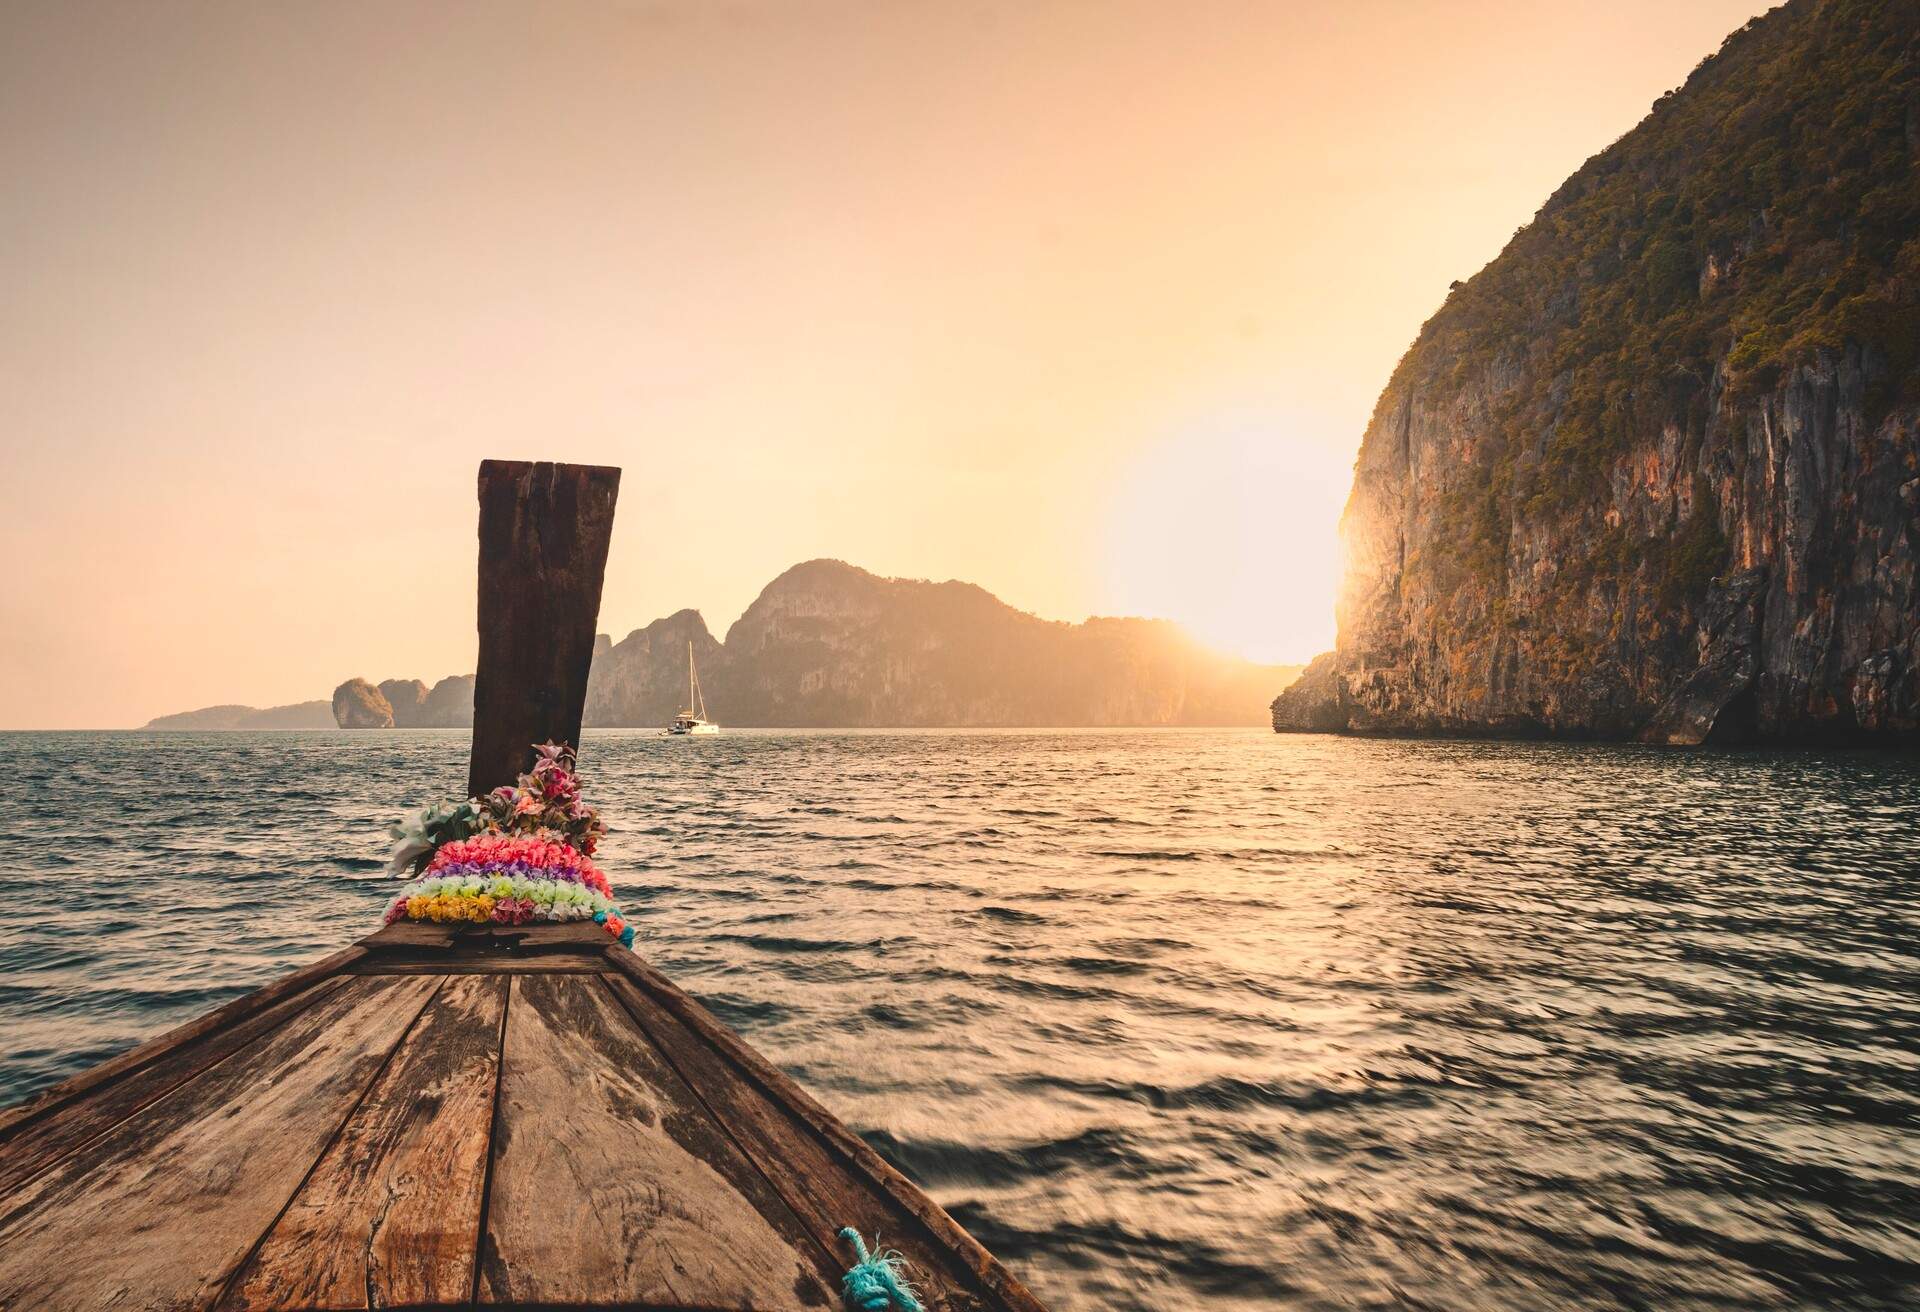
(410,843)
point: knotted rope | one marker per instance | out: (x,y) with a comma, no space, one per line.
(878,1281)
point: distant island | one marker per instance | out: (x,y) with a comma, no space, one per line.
(829,645)
(1654,472)
(300,715)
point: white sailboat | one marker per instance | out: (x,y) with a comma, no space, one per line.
(694,718)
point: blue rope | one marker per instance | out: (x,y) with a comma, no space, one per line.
(878,1281)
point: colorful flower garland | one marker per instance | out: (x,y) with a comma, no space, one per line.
(516,856)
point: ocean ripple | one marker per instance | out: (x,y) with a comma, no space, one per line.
(1168,1019)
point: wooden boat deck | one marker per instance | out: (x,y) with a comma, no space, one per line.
(441,1117)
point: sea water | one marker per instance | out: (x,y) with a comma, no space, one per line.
(1167,1019)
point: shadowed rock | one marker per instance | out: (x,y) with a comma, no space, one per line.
(406,697)
(1312,704)
(449,705)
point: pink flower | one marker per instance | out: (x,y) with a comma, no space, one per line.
(513,910)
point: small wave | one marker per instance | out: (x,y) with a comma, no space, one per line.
(1208,1269)
(742,1012)
(1230,1093)
(1040,988)
(1012,916)
(946,1163)
(781,943)
(1142,947)
(1099,966)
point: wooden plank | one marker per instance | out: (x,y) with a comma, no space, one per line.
(612,1186)
(1000,1286)
(578,937)
(551,965)
(544,530)
(431,940)
(16,1118)
(391,1215)
(160,1210)
(416,936)
(815,1182)
(84,1119)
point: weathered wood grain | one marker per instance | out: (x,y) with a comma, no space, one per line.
(15,1118)
(391,1215)
(158,1211)
(427,948)
(484,966)
(418,936)
(82,1120)
(869,1169)
(580,937)
(815,1182)
(611,1185)
(426,940)
(544,530)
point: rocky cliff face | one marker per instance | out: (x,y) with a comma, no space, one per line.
(1655,472)
(405,704)
(357,704)
(642,680)
(448,704)
(406,697)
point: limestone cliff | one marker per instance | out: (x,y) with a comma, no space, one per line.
(409,704)
(448,704)
(1655,471)
(406,697)
(642,680)
(357,704)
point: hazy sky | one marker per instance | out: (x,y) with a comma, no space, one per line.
(1083,302)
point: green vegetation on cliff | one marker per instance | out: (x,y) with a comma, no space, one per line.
(1661,457)
(1765,213)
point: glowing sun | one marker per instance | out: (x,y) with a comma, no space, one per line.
(1232,530)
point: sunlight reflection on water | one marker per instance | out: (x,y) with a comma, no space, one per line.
(1164,1017)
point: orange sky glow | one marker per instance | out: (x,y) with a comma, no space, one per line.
(1085,302)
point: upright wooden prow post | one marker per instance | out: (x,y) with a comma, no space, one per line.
(544,530)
